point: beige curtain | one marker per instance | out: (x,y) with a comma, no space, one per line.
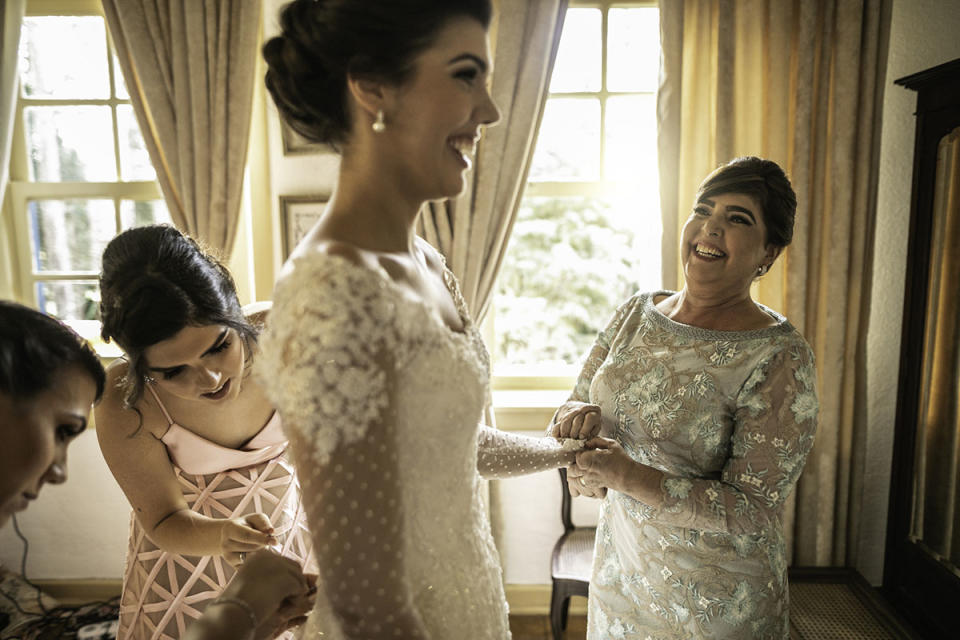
(189,67)
(799,83)
(936,519)
(11,16)
(472,231)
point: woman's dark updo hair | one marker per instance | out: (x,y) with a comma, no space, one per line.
(154,282)
(34,346)
(765,181)
(322,41)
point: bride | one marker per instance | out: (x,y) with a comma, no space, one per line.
(371,356)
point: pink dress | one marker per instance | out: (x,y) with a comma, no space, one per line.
(164,592)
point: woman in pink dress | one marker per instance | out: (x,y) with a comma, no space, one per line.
(187,432)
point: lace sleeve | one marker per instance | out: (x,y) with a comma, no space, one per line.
(329,362)
(774,425)
(501,454)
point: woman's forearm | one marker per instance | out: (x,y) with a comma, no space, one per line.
(188,533)
(642,483)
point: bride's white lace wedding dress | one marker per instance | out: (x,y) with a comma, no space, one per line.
(381,401)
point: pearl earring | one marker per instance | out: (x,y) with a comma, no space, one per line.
(378,125)
(762,269)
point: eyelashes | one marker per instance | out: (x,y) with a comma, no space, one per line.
(220,348)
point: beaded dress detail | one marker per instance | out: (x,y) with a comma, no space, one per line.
(164,592)
(385,399)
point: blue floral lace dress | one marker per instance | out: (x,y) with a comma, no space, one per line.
(729,417)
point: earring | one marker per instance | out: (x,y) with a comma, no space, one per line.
(762,269)
(378,125)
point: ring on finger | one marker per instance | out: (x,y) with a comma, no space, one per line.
(243,556)
(580,480)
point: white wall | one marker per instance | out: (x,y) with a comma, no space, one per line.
(923,34)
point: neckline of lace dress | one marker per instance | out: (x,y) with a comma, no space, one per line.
(782,327)
(449,281)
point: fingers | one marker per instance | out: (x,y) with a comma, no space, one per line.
(579,422)
(259,521)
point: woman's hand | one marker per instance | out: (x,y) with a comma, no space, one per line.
(578,487)
(276,589)
(576,420)
(245,535)
(604,463)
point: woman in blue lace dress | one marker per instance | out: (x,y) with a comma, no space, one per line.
(708,402)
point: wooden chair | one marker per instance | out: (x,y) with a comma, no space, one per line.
(570,565)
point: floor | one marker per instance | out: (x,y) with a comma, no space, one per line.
(819,610)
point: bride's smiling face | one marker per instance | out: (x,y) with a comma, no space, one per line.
(198,363)
(434,119)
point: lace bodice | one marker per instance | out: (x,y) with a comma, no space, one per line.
(382,401)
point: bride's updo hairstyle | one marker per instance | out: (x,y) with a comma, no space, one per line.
(155,281)
(321,42)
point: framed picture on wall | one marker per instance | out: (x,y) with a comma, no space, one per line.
(297,215)
(295,144)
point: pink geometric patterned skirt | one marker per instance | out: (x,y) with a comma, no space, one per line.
(164,592)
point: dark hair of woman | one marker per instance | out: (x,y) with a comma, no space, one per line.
(322,41)
(154,282)
(34,346)
(765,181)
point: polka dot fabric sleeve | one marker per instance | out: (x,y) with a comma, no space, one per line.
(501,454)
(329,362)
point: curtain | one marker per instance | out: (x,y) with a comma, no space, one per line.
(799,83)
(189,67)
(472,230)
(936,519)
(11,16)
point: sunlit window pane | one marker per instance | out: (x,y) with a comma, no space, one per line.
(568,145)
(633,49)
(577,67)
(631,134)
(119,83)
(69,299)
(138,213)
(70,235)
(570,263)
(64,57)
(70,144)
(134,159)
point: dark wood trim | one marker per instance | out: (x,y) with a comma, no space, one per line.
(924,591)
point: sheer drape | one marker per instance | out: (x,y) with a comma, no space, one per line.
(11,15)
(472,231)
(189,66)
(936,518)
(799,83)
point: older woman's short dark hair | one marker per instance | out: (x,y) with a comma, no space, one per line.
(322,41)
(34,347)
(765,181)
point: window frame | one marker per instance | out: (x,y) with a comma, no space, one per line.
(23,190)
(517,393)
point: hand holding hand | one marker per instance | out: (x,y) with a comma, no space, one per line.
(276,589)
(604,463)
(576,420)
(578,487)
(245,535)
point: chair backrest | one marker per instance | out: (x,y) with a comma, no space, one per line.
(565,501)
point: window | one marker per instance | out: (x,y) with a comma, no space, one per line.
(587,235)
(80,172)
